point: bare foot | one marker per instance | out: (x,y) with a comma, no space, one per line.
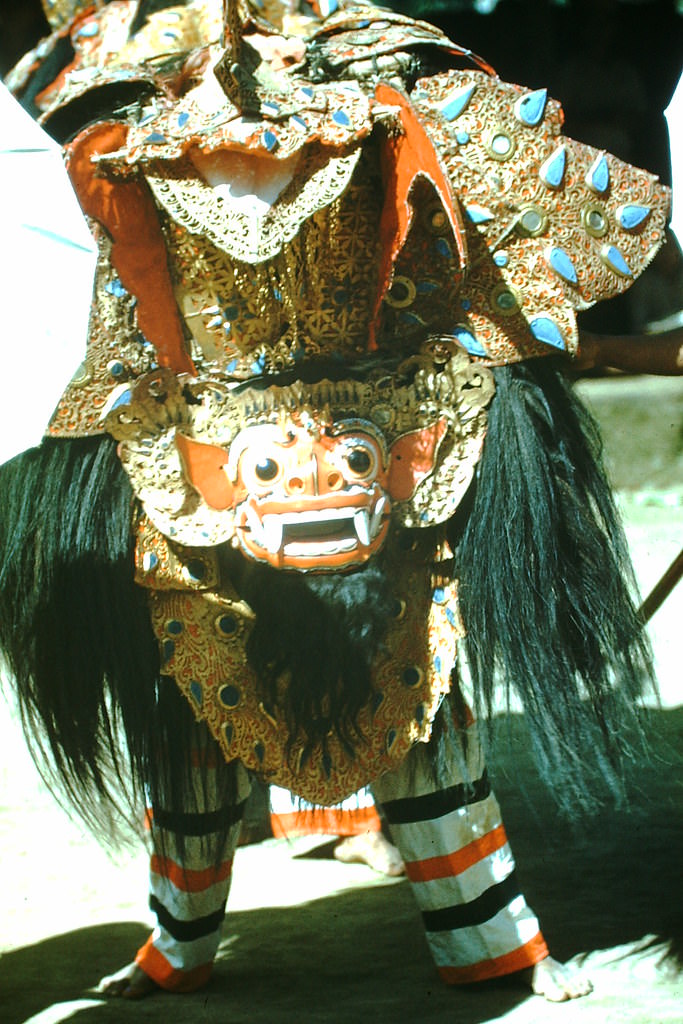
(130,982)
(373,849)
(557,983)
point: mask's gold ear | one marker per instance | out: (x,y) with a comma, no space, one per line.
(413,458)
(204,466)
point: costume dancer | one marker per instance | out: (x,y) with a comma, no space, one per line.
(321,437)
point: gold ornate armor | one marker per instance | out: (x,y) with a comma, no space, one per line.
(298,196)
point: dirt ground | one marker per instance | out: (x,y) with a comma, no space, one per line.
(309,939)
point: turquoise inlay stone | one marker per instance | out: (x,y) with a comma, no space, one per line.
(156,137)
(230,696)
(501,259)
(307,91)
(88,31)
(437,662)
(270,140)
(377,701)
(427,287)
(529,109)
(183,118)
(502,145)
(465,304)
(614,259)
(328,7)
(597,175)
(552,170)
(469,341)
(298,122)
(167,650)
(439,595)
(115,288)
(391,739)
(479,214)
(456,101)
(149,561)
(270,108)
(174,627)
(632,215)
(442,247)
(341,118)
(547,331)
(451,616)
(462,138)
(561,263)
(116,368)
(170,34)
(196,692)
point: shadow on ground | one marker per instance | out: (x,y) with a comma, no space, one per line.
(362,952)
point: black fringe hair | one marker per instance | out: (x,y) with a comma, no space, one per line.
(547,588)
(322,633)
(106,730)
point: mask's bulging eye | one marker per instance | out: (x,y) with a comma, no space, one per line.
(360,458)
(359,461)
(266,470)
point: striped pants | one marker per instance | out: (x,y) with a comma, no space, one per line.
(449,833)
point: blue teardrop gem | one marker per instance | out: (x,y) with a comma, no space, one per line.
(479,214)
(183,119)
(614,259)
(342,119)
(196,691)
(552,170)
(270,140)
(530,108)
(455,103)
(597,175)
(547,331)
(562,265)
(469,342)
(632,215)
